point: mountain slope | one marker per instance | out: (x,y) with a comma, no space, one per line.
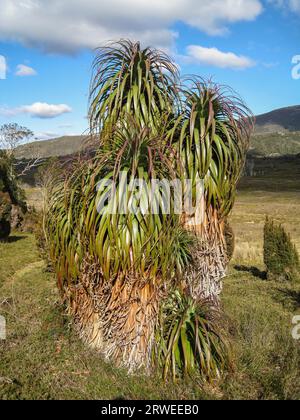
(280,120)
(275,144)
(277,133)
(61,146)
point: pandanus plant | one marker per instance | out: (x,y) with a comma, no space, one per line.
(116,268)
(142,83)
(215,132)
(113,267)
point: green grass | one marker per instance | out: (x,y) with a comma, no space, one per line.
(15,254)
(42,357)
(267,358)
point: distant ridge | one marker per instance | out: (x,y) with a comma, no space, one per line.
(62,146)
(279,120)
(277,134)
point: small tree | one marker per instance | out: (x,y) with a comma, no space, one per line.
(11,137)
(10,194)
(280,254)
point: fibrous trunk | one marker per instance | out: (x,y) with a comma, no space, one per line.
(205,275)
(116,318)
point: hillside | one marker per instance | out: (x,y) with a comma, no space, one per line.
(267,144)
(279,120)
(277,134)
(61,146)
(275,144)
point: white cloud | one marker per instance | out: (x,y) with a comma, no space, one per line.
(292,5)
(37,110)
(270,65)
(44,110)
(45,135)
(65,126)
(74,24)
(23,71)
(216,58)
(295,5)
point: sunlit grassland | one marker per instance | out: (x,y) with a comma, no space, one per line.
(249,216)
(43,359)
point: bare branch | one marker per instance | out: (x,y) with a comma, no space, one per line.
(29,165)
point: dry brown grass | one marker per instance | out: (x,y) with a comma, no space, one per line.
(248,220)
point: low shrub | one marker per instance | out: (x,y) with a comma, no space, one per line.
(280,254)
(230,240)
(5,214)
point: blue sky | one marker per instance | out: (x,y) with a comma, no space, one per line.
(48,50)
